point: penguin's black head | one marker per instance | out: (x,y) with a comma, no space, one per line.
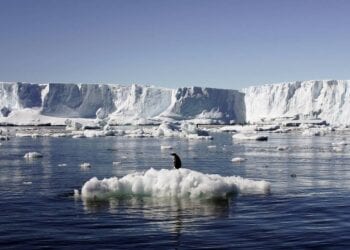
(177,161)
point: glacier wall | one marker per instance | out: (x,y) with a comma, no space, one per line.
(136,104)
(123,104)
(327,100)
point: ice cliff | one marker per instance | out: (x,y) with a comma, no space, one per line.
(327,100)
(25,103)
(120,104)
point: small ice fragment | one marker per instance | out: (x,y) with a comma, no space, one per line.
(85,165)
(238,159)
(62,165)
(341,143)
(116,163)
(211,146)
(250,137)
(27,183)
(32,155)
(165,147)
(76,193)
(338,149)
(78,136)
(282,148)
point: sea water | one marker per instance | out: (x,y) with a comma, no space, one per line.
(307,205)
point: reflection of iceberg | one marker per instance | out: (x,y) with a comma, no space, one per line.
(171,214)
(182,183)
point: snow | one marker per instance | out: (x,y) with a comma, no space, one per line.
(182,183)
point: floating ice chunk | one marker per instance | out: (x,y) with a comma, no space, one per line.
(283,130)
(267,128)
(168,130)
(282,148)
(73,125)
(62,165)
(138,133)
(165,147)
(249,137)
(116,163)
(21,134)
(338,149)
(76,193)
(314,132)
(85,166)
(94,133)
(27,183)
(238,159)
(199,137)
(183,182)
(211,146)
(77,136)
(340,143)
(32,155)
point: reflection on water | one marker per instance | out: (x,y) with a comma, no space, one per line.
(173,215)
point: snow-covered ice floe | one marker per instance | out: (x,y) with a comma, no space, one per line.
(182,183)
(85,166)
(238,159)
(250,137)
(32,155)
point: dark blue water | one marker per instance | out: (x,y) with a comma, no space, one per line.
(310,210)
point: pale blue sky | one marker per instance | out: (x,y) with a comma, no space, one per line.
(217,43)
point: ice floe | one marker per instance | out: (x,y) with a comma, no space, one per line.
(240,136)
(85,166)
(32,155)
(238,159)
(172,183)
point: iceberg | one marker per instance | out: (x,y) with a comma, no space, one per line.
(327,100)
(285,104)
(32,104)
(182,183)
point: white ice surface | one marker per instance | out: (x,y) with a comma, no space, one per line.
(327,99)
(172,183)
(32,155)
(31,104)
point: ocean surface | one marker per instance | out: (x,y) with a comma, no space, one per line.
(307,208)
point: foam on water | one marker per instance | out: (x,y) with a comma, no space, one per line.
(172,183)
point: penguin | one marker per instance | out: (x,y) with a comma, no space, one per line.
(177,161)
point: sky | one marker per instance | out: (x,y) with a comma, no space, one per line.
(174,43)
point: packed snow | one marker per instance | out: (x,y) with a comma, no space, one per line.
(182,183)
